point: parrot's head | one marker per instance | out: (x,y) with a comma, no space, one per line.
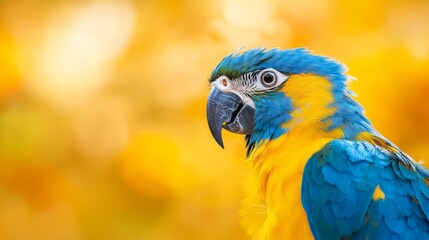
(266,93)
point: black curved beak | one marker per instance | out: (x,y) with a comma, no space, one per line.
(228,111)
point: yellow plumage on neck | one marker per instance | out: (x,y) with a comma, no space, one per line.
(272,209)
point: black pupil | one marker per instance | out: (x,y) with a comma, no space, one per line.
(268,78)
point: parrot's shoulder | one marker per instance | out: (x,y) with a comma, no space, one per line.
(365,190)
(374,149)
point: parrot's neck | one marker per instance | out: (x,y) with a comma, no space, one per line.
(272,209)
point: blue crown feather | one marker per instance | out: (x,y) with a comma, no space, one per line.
(289,61)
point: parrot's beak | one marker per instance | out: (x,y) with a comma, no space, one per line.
(228,111)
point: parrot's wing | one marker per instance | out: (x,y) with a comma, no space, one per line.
(357,190)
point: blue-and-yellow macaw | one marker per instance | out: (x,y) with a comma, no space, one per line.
(318,168)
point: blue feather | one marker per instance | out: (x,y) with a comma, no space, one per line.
(406,172)
(361,166)
(396,224)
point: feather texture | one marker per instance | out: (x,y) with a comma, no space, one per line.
(358,214)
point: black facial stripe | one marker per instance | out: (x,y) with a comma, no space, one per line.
(254,74)
(272,89)
(248,79)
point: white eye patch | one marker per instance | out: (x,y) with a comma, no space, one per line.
(268,80)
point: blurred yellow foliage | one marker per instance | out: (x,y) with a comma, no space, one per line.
(9,73)
(102,105)
(151,164)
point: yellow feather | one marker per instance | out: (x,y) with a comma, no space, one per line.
(272,209)
(378,194)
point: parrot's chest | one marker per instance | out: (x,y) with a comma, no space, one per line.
(272,209)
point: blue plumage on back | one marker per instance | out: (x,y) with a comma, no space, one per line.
(338,193)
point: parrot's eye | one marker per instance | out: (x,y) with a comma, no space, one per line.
(269,79)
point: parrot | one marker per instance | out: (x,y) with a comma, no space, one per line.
(316,166)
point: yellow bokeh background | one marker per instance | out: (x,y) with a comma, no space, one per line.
(102,105)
